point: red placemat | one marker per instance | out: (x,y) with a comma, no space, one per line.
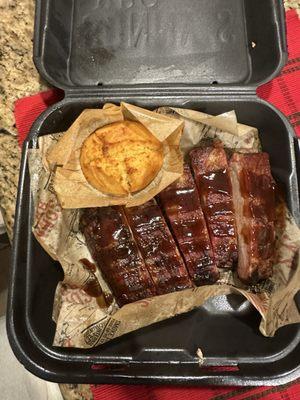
(29,108)
(284,93)
(114,392)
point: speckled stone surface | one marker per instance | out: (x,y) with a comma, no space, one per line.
(292,4)
(18,76)
(9,167)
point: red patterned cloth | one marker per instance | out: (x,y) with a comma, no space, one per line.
(29,108)
(114,392)
(284,93)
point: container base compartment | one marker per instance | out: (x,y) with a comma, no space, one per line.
(226,328)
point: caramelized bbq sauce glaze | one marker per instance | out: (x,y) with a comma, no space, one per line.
(112,246)
(158,248)
(88,265)
(258,192)
(92,286)
(215,191)
(135,248)
(181,205)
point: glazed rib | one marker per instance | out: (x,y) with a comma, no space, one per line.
(254,199)
(210,168)
(181,204)
(158,248)
(113,248)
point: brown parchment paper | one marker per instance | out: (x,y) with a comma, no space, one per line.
(70,184)
(85,321)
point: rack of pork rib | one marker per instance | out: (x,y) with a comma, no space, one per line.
(219,214)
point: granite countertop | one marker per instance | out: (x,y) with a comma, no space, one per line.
(18,78)
(292,4)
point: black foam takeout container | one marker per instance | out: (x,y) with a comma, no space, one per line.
(207,55)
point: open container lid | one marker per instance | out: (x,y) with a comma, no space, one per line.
(236,43)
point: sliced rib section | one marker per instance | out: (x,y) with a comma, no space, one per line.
(181,204)
(113,248)
(254,199)
(210,168)
(158,248)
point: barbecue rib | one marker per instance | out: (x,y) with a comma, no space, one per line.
(254,200)
(158,248)
(112,246)
(211,173)
(182,208)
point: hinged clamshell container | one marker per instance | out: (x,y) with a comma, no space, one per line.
(207,55)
